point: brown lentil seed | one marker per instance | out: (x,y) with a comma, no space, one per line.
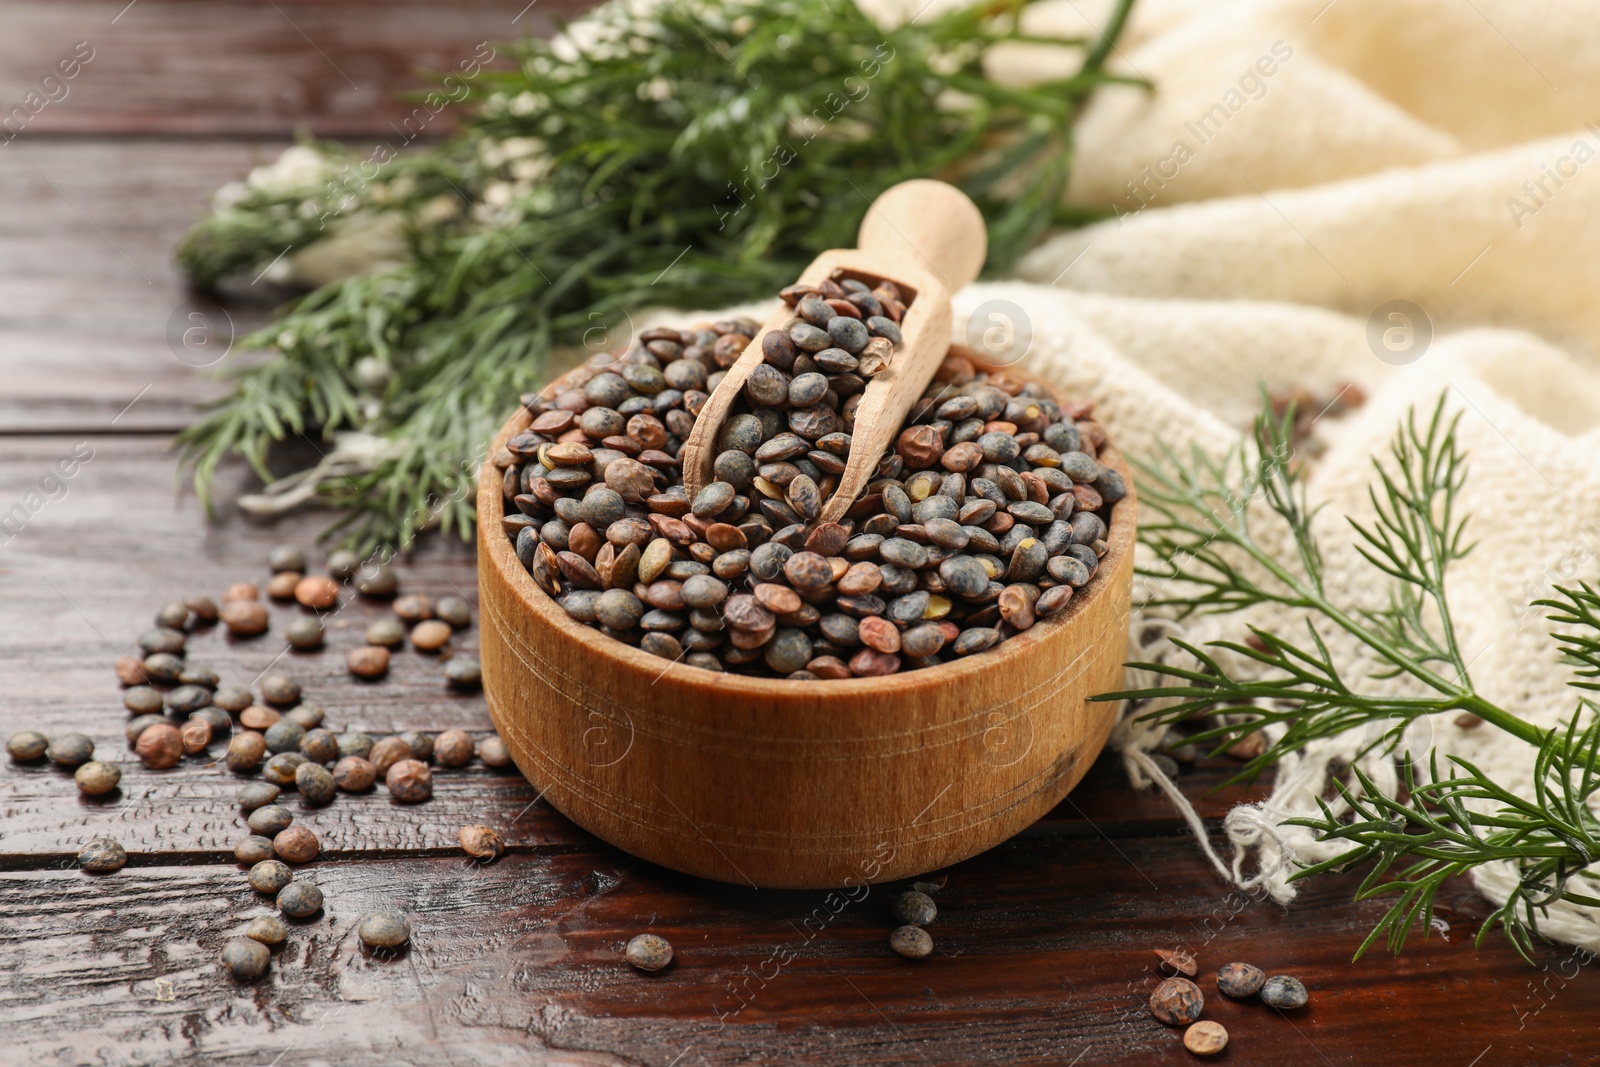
(492,751)
(371,661)
(409,781)
(296,844)
(299,900)
(389,633)
(257,795)
(387,752)
(143,700)
(245,959)
(463,672)
(481,842)
(159,746)
(1205,1038)
(352,774)
(914,908)
(648,952)
(70,750)
(305,634)
(387,929)
(319,746)
(317,592)
(244,618)
(97,778)
(267,929)
(102,855)
(26,746)
(431,635)
(1177,1002)
(453,748)
(232,699)
(253,849)
(1283,992)
(270,820)
(456,611)
(280,769)
(1240,980)
(315,784)
(279,689)
(911,942)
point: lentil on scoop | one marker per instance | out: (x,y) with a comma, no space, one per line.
(986,514)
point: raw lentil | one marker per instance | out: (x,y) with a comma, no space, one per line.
(257,795)
(299,900)
(387,929)
(430,635)
(309,716)
(232,699)
(315,783)
(648,952)
(977,489)
(102,855)
(492,751)
(1240,980)
(200,675)
(306,634)
(1283,992)
(270,876)
(1177,1002)
(162,639)
(137,726)
(390,633)
(258,717)
(319,746)
(159,746)
(369,662)
(912,942)
(376,580)
(195,735)
(279,689)
(342,564)
(245,959)
(387,752)
(456,611)
(1205,1038)
(245,618)
(296,844)
(280,769)
(253,849)
(282,586)
(284,736)
(203,608)
(267,929)
(415,607)
(96,778)
(453,748)
(409,781)
(914,908)
(353,774)
(482,842)
(143,700)
(70,750)
(130,671)
(421,744)
(317,592)
(26,746)
(287,558)
(355,743)
(173,615)
(463,672)
(1177,961)
(270,820)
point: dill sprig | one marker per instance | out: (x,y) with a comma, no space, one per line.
(1207,559)
(697,156)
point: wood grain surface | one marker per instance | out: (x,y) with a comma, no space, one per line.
(1044,943)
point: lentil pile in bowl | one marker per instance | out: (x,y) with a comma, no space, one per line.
(985,515)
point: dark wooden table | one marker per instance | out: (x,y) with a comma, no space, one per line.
(1045,944)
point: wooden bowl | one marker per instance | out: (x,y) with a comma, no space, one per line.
(811,784)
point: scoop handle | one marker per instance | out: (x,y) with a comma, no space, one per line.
(929,224)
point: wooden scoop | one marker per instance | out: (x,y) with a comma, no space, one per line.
(927,238)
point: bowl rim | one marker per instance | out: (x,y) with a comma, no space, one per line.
(501,555)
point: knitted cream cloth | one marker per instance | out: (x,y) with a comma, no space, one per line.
(1302,163)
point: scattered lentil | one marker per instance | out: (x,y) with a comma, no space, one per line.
(232,699)
(284,736)
(245,618)
(414,608)
(386,929)
(369,662)
(138,725)
(258,717)
(390,633)
(299,900)
(430,635)
(353,774)
(492,751)
(159,746)
(1240,980)
(163,667)
(96,778)
(1177,961)
(296,844)
(1205,1038)
(245,959)
(270,820)
(267,929)
(195,735)
(173,615)
(409,781)
(279,689)
(319,746)
(287,558)
(306,633)
(453,748)
(482,842)
(253,849)
(648,952)
(342,564)
(376,580)
(143,700)
(455,611)
(387,752)
(130,671)
(317,592)
(912,942)
(102,855)
(282,586)
(1177,1002)
(203,608)
(309,716)
(914,908)
(421,744)
(463,672)
(26,746)
(355,743)
(270,876)
(1283,992)
(314,783)
(280,769)
(69,750)
(257,795)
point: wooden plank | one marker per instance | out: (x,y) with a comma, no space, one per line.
(88,287)
(243,69)
(77,598)
(1044,956)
